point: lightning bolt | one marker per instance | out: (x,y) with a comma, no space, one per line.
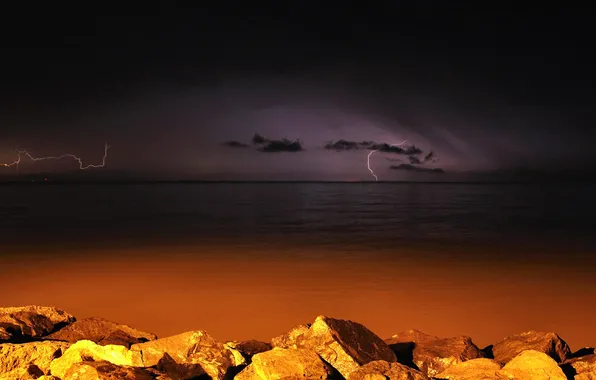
(21,153)
(374,151)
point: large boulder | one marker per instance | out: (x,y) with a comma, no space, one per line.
(346,345)
(285,363)
(102,332)
(471,370)
(382,370)
(582,368)
(249,348)
(431,354)
(28,360)
(86,350)
(28,323)
(106,371)
(548,343)
(191,349)
(288,339)
(533,365)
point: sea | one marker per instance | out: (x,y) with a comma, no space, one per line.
(251,260)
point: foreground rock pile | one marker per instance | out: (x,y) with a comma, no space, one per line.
(50,344)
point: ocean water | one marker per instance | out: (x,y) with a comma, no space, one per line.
(251,260)
(374,214)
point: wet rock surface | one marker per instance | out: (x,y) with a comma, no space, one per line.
(548,343)
(29,323)
(431,354)
(102,332)
(49,344)
(346,345)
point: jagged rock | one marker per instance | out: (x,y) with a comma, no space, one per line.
(471,370)
(105,371)
(285,363)
(192,348)
(26,323)
(249,348)
(48,377)
(431,354)
(346,345)
(288,340)
(549,343)
(383,370)
(533,365)
(28,360)
(102,332)
(86,350)
(582,368)
(180,371)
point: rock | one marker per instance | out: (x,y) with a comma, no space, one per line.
(472,369)
(346,345)
(285,363)
(48,377)
(86,350)
(28,323)
(583,352)
(533,365)
(249,348)
(549,343)
(288,340)
(431,354)
(28,360)
(102,332)
(189,349)
(179,371)
(383,370)
(105,371)
(582,368)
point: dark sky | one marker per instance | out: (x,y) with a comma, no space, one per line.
(484,85)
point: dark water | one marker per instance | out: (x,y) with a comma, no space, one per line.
(309,213)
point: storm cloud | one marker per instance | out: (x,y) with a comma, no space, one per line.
(412,168)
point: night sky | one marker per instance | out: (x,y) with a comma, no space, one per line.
(180,92)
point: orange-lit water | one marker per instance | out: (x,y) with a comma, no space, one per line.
(237,292)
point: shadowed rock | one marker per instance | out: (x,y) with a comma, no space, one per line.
(533,365)
(102,332)
(582,368)
(285,363)
(180,371)
(28,323)
(382,370)
(346,345)
(431,354)
(549,343)
(472,370)
(249,348)
(192,348)
(105,371)
(288,340)
(583,352)
(28,360)
(86,350)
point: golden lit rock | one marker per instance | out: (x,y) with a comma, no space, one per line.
(582,368)
(533,365)
(549,343)
(25,323)
(191,348)
(472,370)
(86,350)
(383,370)
(28,360)
(249,348)
(285,363)
(288,340)
(432,354)
(346,345)
(102,332)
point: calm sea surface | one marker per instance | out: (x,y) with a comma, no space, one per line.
(301,213)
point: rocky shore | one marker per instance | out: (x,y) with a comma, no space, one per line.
(38,342)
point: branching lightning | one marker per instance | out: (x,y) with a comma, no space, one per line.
(82,166)
(376,150)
